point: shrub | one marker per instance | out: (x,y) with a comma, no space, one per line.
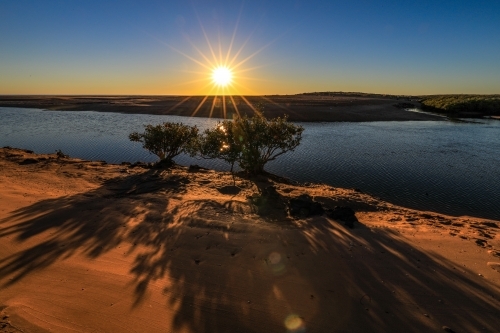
(251,142)
(259,140)
(218,143)
(166,140)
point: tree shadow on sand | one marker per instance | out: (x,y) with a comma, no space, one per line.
(227,271)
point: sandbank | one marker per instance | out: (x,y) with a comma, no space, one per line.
(92,247)
(306,108)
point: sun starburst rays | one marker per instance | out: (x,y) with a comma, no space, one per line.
(223,74)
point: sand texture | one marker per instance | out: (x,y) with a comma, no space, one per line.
(296,107)
(92,247)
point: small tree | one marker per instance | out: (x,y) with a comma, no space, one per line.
(260,140)
(218,143)
(166,140)
(251,142)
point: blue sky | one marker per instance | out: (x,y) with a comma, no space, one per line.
(287,47)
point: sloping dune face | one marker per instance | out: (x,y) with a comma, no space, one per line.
(92,247)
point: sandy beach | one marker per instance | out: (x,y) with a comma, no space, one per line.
(93,247)
(308,108)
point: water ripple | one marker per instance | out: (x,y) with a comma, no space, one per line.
(447,167)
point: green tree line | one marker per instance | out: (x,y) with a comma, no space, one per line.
(456,104)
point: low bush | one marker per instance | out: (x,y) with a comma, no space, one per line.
(217,143)
(250,142)
(166,140)
(260,140)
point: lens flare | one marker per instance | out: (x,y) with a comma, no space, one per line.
(276,263)
(295,324)
(222,76)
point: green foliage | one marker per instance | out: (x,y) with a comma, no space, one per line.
(455,104)
(166,140)
(260,140)
(218,143)
(251,142)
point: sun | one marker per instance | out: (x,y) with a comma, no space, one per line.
(222,76)
(221,68)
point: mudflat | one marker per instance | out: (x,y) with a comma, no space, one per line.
(95,247)
(296,107)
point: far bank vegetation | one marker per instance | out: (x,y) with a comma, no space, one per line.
(472,105)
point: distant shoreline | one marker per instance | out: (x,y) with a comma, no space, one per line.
(303,108)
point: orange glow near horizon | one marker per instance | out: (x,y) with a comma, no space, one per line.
(221,74)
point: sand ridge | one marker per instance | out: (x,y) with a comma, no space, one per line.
(93,247)
(305,108)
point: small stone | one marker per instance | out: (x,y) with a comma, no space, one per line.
(447,329)
(425,314)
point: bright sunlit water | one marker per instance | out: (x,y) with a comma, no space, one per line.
(452,168)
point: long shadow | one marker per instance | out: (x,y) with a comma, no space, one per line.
(333,280)
(228,272)
(93,222)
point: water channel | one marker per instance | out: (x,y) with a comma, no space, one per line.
(442,166)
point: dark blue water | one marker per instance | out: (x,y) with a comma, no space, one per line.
(452,168)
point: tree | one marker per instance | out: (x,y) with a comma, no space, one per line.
(166,140)
(251,142)
(218,143)
(260,140)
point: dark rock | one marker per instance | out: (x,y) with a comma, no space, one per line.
(196,168)
(60,154)
(162,164)
(490,224)
(481,242)
(229,190)
(28,161)
(126,163)
(304,206)
(447,329)
(140,165)
(344,214)
(267,200)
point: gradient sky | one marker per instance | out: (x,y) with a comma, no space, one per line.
(287,47)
